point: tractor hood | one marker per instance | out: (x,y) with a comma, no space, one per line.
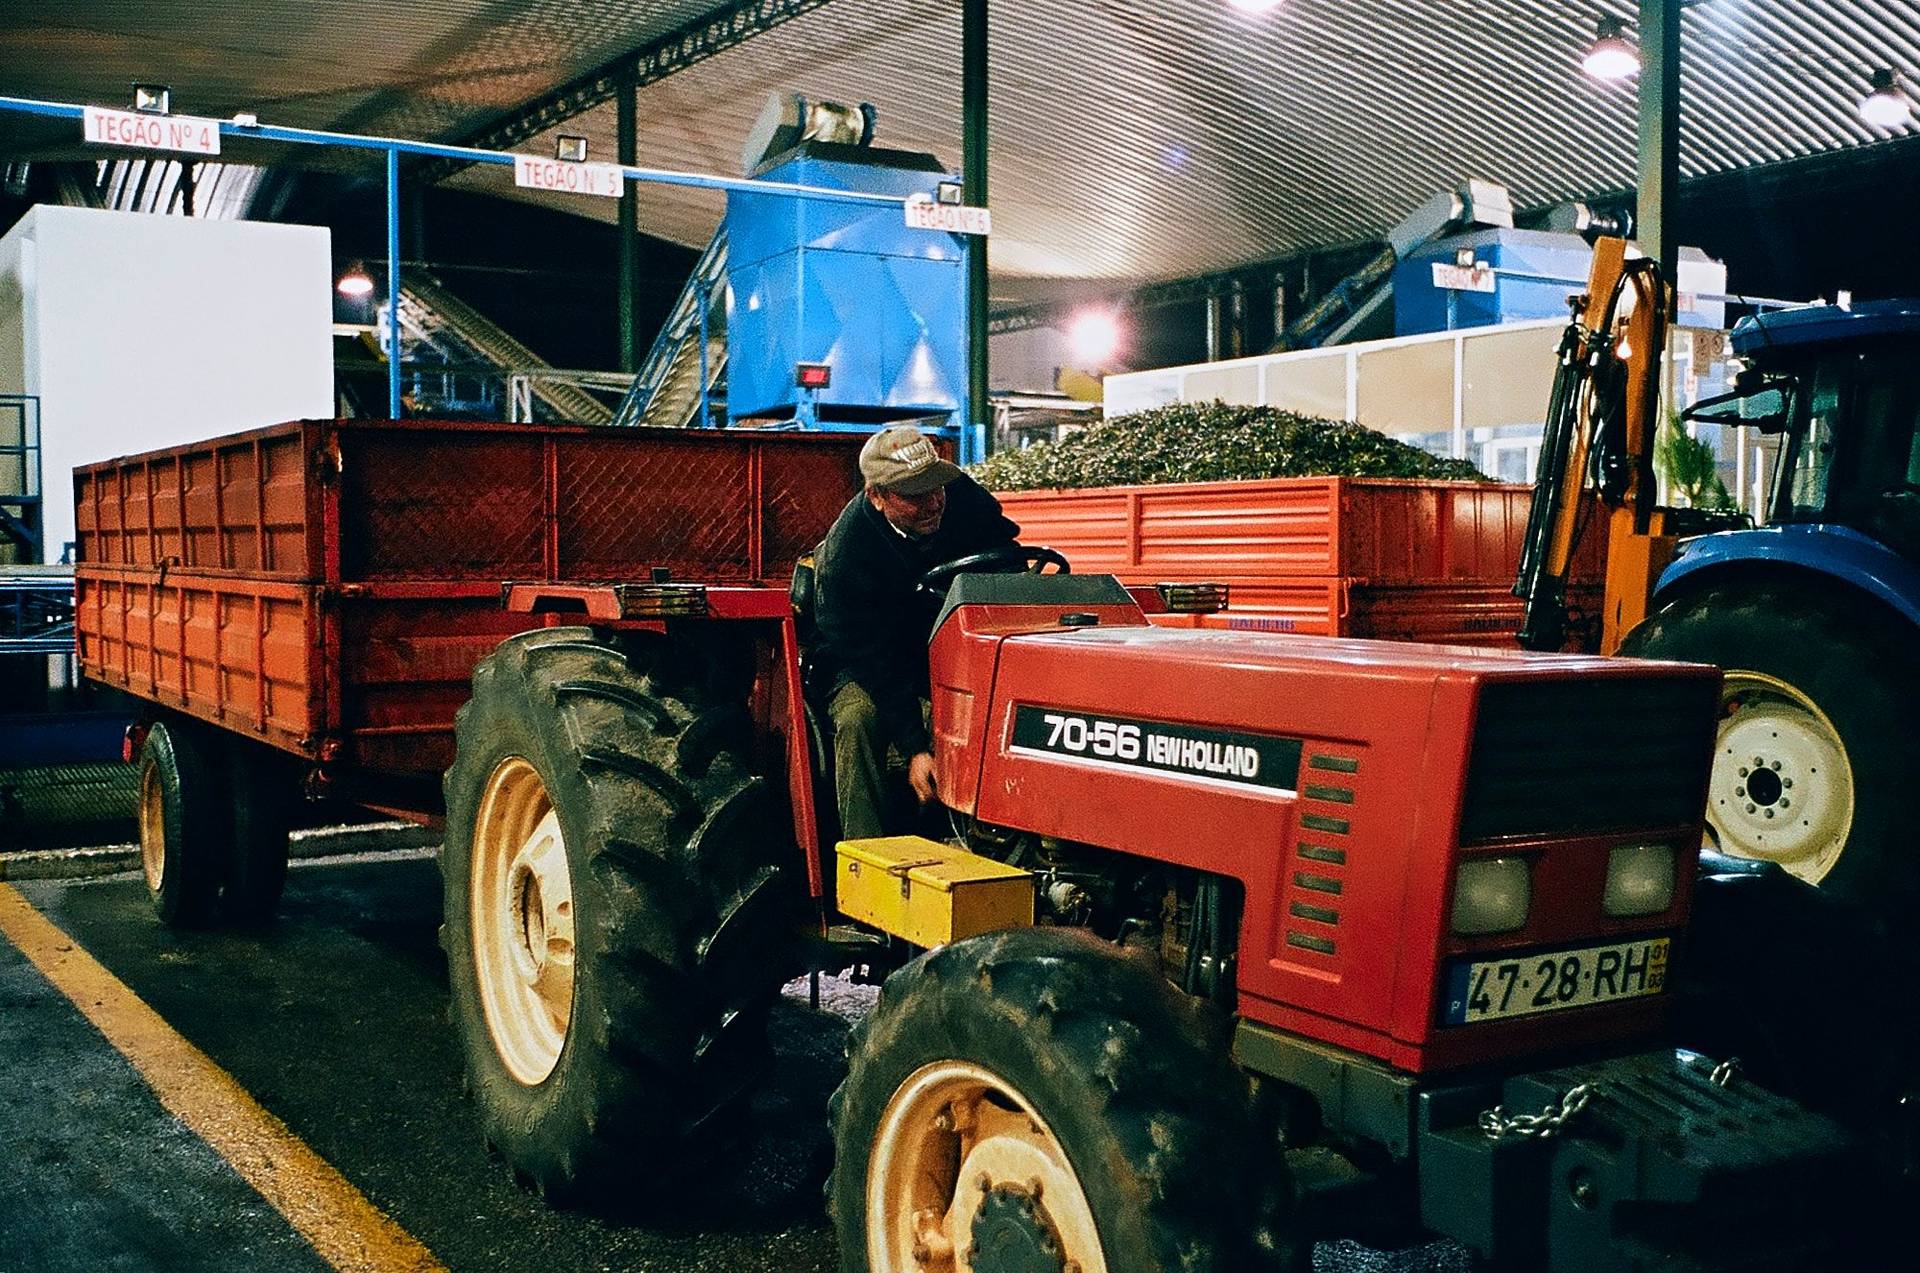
(1338,782)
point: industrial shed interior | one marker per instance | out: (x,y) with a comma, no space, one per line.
(959,637)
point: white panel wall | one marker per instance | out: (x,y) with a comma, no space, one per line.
(139,331)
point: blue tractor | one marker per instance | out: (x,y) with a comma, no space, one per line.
(1814,616)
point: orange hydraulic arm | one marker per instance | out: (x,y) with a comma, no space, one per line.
(1602,418)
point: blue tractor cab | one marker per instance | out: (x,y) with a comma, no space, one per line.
(1813,616)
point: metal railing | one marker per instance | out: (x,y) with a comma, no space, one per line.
(675,383)
(252,128)
(36,610)
(525,385)
(462,333)
(20,472)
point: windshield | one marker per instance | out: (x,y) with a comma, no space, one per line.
(1855,451)
(1805,497)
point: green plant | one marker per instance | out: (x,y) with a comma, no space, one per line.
(1689,466)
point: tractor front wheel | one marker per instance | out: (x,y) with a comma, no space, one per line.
(1034,1099)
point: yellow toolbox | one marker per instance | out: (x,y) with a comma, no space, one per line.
(929,893)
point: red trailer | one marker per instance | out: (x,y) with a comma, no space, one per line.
(327,586)
(1392,558)
(324,588)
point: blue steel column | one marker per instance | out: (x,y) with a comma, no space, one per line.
(393,282)
(974,431)
(1659,133)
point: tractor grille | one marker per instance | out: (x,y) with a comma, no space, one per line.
(1326,828)
(1567,757)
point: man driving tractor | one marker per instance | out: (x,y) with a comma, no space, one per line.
(916,511)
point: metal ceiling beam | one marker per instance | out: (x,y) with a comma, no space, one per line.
(655,60)
(973,175)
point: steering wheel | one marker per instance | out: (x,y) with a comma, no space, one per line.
(995,561)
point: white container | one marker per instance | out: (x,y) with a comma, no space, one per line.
(138,331)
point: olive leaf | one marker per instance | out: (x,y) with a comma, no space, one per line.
(1210,442)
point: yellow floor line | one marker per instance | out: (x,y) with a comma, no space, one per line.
(348,1231)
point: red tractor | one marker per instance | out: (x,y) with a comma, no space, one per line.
(1230,931)
(1236,940)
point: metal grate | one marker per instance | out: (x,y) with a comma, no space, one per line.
(443,502)
(681,505)
(1565,757)
(803,492)
(421,504)
(62,806)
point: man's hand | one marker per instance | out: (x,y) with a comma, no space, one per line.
(920,774)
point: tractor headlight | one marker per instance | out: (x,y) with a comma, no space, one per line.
(1639,879)
(1491,895)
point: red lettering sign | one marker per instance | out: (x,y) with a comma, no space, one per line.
(956,218)
(565,177)
(151,132)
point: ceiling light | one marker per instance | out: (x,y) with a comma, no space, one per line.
(1094,336)
(1254,6)
(1612,56)
(152,99)
(355,283)
(570,149)
(1886,105)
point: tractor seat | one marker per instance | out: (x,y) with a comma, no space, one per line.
(801,594)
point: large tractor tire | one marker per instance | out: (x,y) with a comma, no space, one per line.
(617,919)
(186,826)
(1819,744)
(1034,1099)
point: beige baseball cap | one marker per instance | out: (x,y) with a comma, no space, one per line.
(903,459)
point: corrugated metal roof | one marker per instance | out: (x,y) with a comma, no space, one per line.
(433,69)
(1130,141)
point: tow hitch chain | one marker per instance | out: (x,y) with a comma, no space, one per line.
(1498,1124)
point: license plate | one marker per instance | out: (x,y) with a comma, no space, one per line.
(1547,981)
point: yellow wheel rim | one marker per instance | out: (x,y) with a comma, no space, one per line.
(956,1140)
(153,827)
(521,899)
(1782,787)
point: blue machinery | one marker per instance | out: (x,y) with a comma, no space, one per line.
(856,201)
(837,316)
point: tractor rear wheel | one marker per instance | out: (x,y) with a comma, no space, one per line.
(617,919)
(1034,1099)
(1817,738)
(185,826)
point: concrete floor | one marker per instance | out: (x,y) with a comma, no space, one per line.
(334,1019)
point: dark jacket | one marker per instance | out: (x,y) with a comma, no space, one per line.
(873,626)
